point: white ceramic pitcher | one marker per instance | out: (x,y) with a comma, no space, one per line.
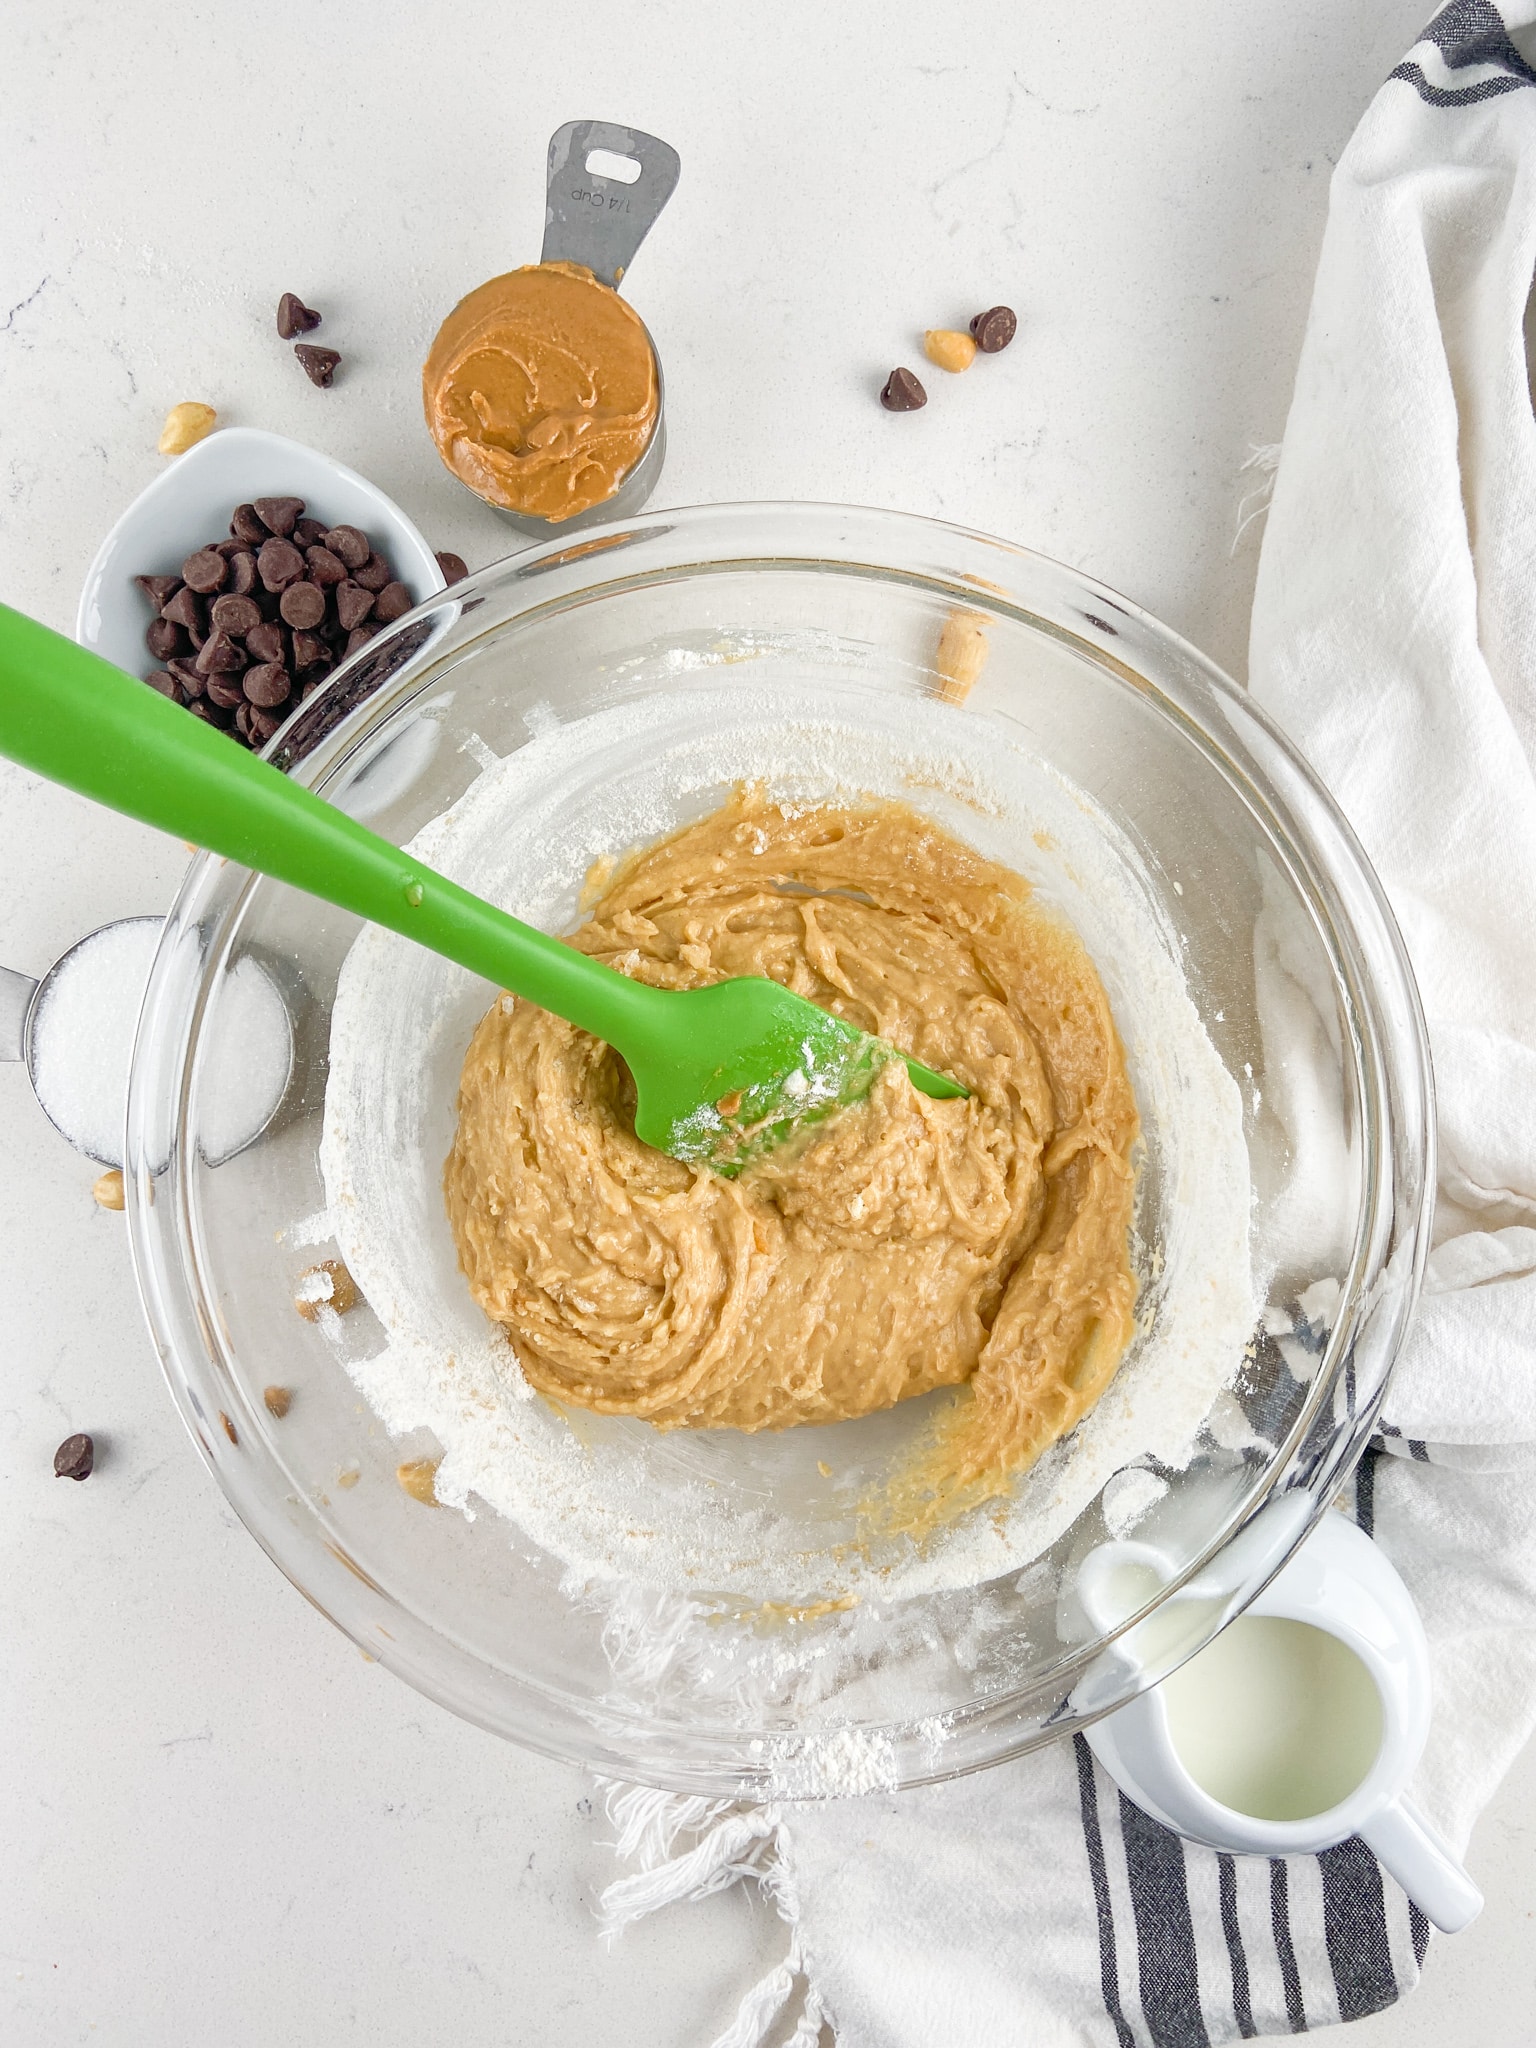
(1299,1726)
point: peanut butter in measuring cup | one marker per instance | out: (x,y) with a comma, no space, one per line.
(543,389)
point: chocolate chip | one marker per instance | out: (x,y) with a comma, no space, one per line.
(262,726)
(265,642)
(267,685)
(374,573)
(205,571)
(163,639)
(160,679)
(186,673)
(353,604)
(310,651)
(392,602)
(308,533)
(302,604)
(324,567)
(247,526)
(280,563)
(902,392)
(200,710)
(197,635)
(225,691)
(184,609)
(235,614)
(358,637)
(994,329)
(350,547)
(318,364)
(75,1458)
(452,566)
(280,515)
(221,657)
(294,317)
(244,713)
(159,589)
(242,573)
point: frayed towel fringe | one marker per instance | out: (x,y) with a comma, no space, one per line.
(725,1843)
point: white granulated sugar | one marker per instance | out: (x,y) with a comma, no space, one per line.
(82,1034)
(713,1515)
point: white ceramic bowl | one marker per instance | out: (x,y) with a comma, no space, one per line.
(189,505)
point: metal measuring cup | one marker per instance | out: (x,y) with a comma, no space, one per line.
(597,220)
(38,1016)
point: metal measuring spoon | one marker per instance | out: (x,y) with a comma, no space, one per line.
(74,1030)
(596,219)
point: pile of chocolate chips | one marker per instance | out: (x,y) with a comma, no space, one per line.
(256,622)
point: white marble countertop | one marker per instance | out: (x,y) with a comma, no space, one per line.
(220,1822)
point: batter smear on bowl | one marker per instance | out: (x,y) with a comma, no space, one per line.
(903,1244)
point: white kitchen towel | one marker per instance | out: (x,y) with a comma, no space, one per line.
(1394,636)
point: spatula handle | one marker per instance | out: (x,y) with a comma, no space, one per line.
(74,718)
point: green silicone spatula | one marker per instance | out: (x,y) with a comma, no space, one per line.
(718,1071)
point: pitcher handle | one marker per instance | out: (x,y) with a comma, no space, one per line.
(1414,1851)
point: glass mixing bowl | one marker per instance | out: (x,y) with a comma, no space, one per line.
(1266,906)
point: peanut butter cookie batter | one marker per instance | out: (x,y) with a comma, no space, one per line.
(901,1245)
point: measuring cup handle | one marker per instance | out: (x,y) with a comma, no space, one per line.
(16,993)
(1413,1850)
(600,221)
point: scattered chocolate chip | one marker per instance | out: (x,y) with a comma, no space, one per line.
(318,364)
(350,547)
(75,1458)
(358,637)
(302,604)
(184,609)
(280,563)
(374,573)
(160,679)
(453,567)
(994,329)
(294,317)
(205,571)
(279,515)
(246,525)
(235,614)
(163,639)
(324,567)
(392,602)
(308,533)
(353,604)
(902,392)
(267,685)
(265,642)
(159,589)
(221,657)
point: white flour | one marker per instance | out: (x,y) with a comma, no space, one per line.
(716,1516)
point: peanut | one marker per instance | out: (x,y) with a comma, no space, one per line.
(185,425)
(108,1189)
(419,1478)
(328,1285)
(961,657)
(950,349)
